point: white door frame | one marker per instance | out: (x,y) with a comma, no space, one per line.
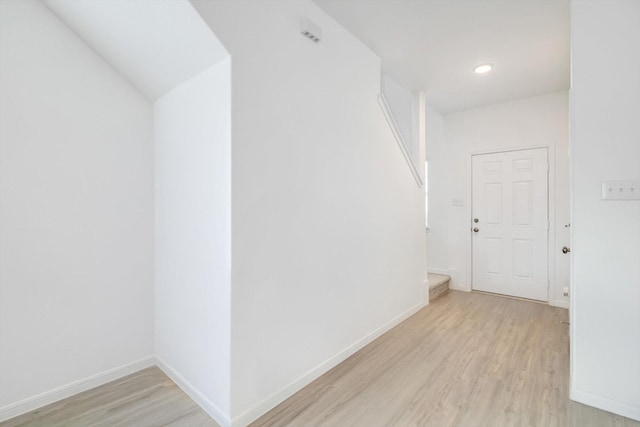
(551,233)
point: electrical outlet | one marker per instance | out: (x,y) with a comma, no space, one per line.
(565,291)
(621,190)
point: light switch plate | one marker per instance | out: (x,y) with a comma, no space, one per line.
(621,190)
(457,202)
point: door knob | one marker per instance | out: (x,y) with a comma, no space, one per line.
(565,250)
(475,229)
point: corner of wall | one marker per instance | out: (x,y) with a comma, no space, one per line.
(207,405)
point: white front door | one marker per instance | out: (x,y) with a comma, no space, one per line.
(510,223)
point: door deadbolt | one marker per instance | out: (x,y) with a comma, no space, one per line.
(565,250)
(476,220)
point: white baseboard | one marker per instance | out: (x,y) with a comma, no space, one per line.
(425,292)
(59,393)
(453,273)
(52,396)
(560,303)
(620,408)
(195,395)
(272,401)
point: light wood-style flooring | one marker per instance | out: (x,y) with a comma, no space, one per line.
(144,399)
(466,360)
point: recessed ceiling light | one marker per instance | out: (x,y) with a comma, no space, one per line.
(483,68)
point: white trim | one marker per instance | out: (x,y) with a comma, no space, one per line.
(620,408)
(573,289)
(393,124)
(425,293)
(453,273)
(552,291)
(507,150)
(459,288)
(209,407)
(560,303)
(38,401)
(274,399)
(456,283)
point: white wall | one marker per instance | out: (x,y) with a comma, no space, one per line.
(76,190)
(192,125)
(605,145)
(538,121)
(438,182)
(328,223)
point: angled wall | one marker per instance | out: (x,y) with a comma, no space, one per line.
(89,166)
(328,222)
(76,223)
(155,45)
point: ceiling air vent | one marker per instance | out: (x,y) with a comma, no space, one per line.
(310,30)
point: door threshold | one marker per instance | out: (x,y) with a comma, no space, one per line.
(510,297)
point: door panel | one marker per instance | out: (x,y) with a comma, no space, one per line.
(510,201)
(522,203)
(493,205)
(522,258)
(493,260)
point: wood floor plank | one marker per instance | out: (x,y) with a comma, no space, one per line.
(468,359)
(144,399)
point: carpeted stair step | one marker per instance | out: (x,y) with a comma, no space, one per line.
(438,285)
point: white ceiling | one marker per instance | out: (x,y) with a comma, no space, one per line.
(433,45)
(156,45)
